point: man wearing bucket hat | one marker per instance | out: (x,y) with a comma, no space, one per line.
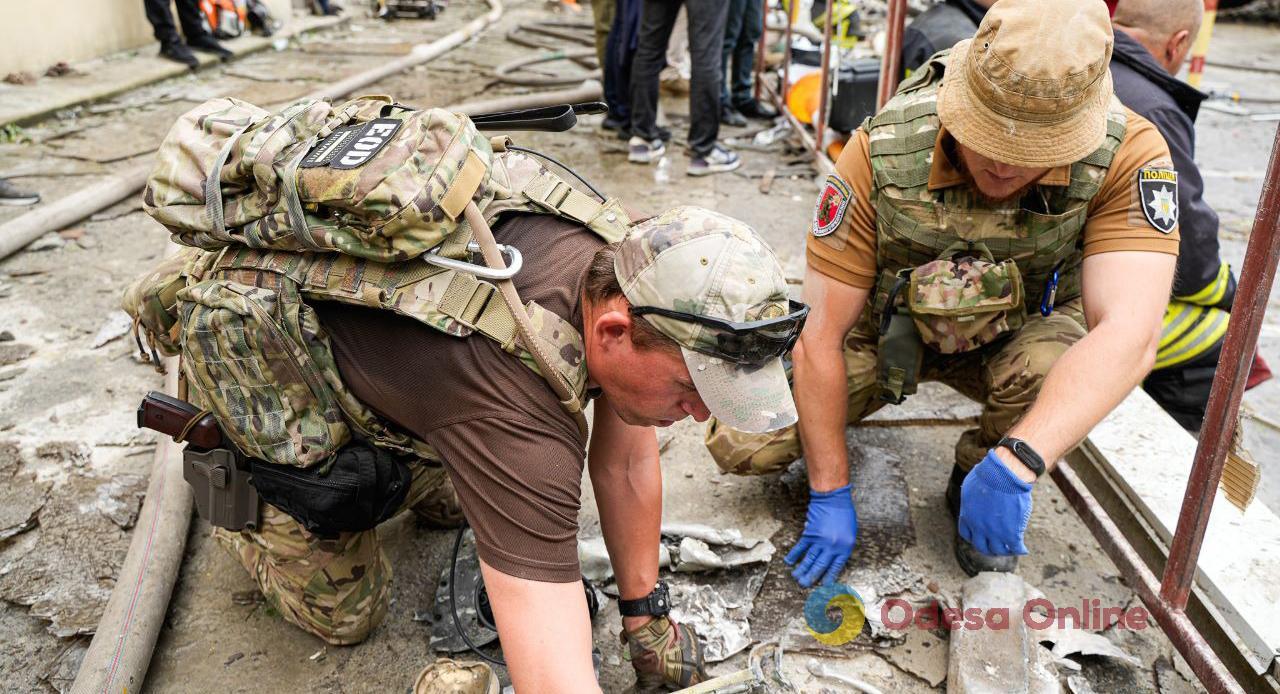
(1003,225)
(687,316)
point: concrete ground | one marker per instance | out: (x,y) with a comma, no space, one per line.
(66,405)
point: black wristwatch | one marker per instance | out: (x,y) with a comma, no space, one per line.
(655,604)
(1024,452)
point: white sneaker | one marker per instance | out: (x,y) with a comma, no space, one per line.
(642,151)
(718,160)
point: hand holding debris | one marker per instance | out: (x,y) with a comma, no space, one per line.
(830,532)
(994,508)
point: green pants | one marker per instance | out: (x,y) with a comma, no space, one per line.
(335,588)
(603,11)
(1005,377)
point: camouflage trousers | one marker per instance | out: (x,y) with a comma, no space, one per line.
(1004,377)
(335,588)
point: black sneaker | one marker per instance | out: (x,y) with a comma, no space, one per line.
(971,561)
(179,53)
(208,44)
(615,123)
(729,116)
(758,111)
(12,195)
(718,160)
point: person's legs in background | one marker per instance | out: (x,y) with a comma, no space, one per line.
(706,41)
(740,83)
(193,28)
(732,38)
(171,45)
(657,17)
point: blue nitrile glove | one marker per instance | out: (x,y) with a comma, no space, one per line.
(995,506)
(830,531)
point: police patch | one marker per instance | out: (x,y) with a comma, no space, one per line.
(832,204)
(1158,189)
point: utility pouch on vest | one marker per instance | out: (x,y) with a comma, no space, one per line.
(961,302)
(899,357)
(362,488)
(249,354)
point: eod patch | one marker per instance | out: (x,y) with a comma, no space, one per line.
(832,204)
(1158,189)
(352,146)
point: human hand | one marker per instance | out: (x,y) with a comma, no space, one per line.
(830,532)
(995,506)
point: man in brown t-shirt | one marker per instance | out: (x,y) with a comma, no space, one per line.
(1002,205)
(656,315)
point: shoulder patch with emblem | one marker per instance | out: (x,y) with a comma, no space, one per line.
(1158,189)
(832,204)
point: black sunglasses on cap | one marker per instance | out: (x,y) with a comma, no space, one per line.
(751,342)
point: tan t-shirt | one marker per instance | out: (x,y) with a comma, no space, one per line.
(513,454)
(1115,220)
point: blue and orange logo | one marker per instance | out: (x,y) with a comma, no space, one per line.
(833,597)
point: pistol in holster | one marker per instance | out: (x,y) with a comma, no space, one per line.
(216,470)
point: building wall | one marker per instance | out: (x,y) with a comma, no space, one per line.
(35,34)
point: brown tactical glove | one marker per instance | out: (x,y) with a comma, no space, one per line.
(665,655)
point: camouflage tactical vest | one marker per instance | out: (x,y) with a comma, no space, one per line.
(254,352)
(914,225)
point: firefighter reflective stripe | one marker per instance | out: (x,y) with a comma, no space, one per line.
(1188,332)
(1214,291)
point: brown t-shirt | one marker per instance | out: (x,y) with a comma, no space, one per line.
(1115,220)
(513,454)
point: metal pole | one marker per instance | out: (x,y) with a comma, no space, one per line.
(820,123)
(891,64)
(785,88)
(1200,48)
(1256,277)
(758,68)
(1172,620)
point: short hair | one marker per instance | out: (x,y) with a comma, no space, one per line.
(601,284)
(1161,18)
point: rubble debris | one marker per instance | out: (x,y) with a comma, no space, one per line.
(817,669)
(65,568)
(120,499)
(1003,659)
(1068,641)
(71,233)
(48,242)
(61,69)
(116,326)
(6,336)
(21,498)
(593,558)
(1077,684)
(74,453)
(922,654)
(696,555)
(14,352)
(21,78)
(718,611)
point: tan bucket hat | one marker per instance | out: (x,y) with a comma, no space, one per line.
(1032,87)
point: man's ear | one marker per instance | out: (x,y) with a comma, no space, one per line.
(1176,50)
(612,328)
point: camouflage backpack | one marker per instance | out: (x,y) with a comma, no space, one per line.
(343,204)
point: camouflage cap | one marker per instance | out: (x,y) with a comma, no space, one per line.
(693,260)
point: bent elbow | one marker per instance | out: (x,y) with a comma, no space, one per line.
(1149,349)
